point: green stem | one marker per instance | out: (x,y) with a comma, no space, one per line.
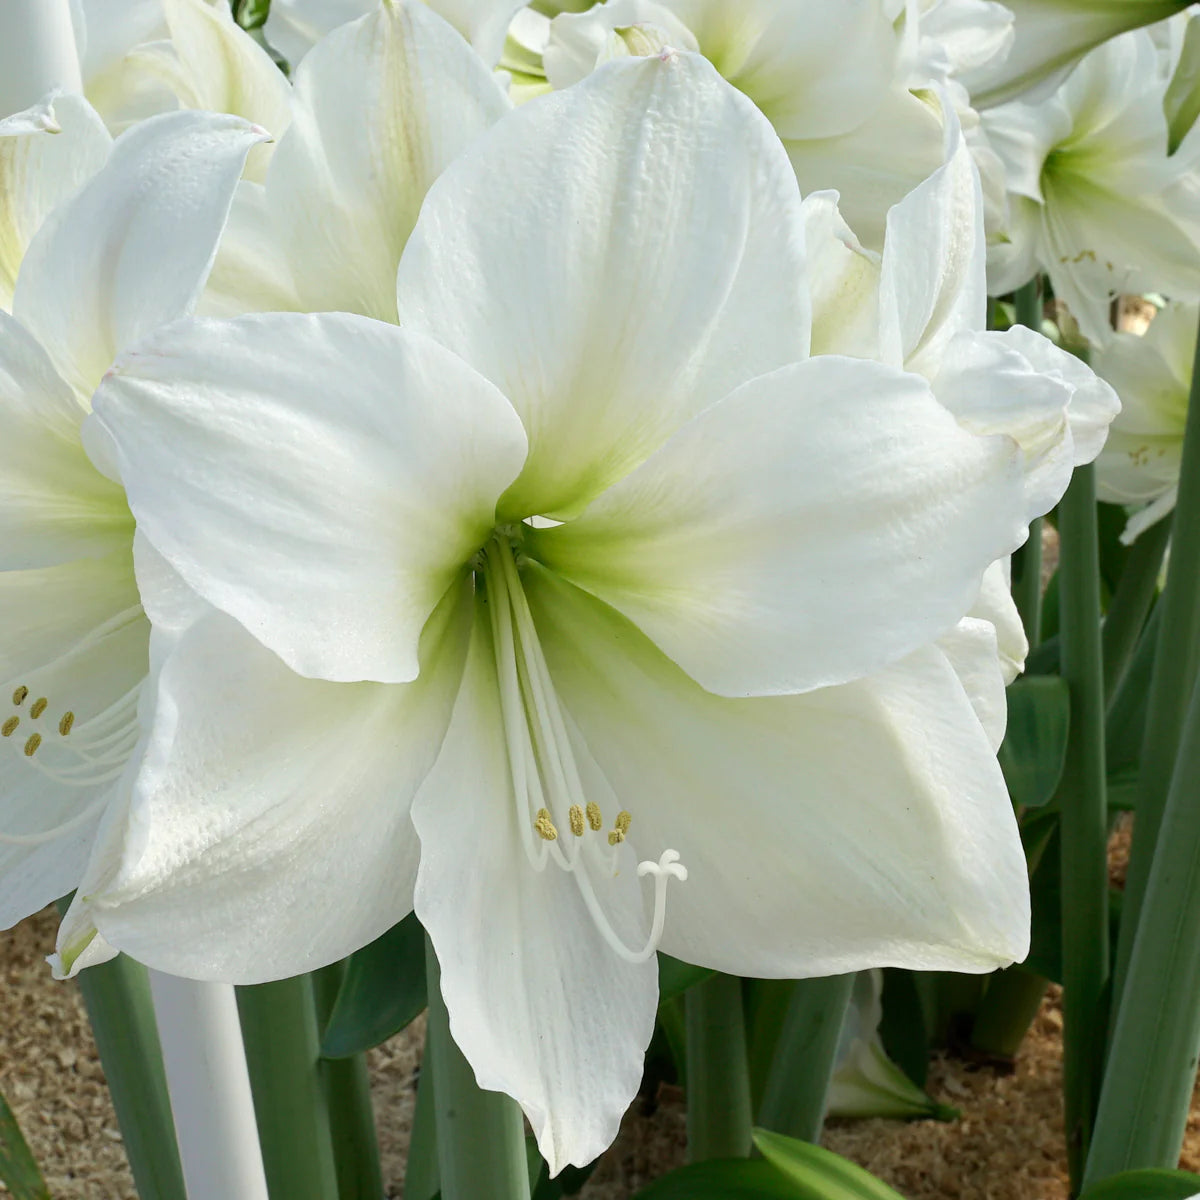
(1152,1063)
(279,1027)
(805,1056)
(1084,818)
(1174,673)
(117,995)
(1027,586)
(347,1085)
(1131,603)
(1013,999)
(1028,306)
(421,1178)
(719,1122)
(480,1135)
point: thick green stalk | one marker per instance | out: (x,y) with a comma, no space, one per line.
(117,995)
(279,1027)
(1152,1062)
(421,1178)
(805,1056)
(1027,587)
(1084,818)
(1131,603)
(348,1098)
(1174,674)
(481,1135)
(1012,1000)
(719,1115)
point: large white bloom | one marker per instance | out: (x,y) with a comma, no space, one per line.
(832,78)
(1152,374)
(720,657)
(130,250)
(1094,200)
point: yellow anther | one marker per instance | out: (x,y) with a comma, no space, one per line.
(64,725)
(623,821)
(595,820)
(20,694)
(38,707)
(32,743)
(545,826)
(575,813)
(616,837)
(7,728)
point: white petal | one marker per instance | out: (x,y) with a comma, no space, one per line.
(850,827)
(229,71)
(539,1004)
(54,505)
(269,831)
(45,154)
(484,23)
(972,650)
(321,478)
(817,524)
(641,255)
(134,247)
(995,605)
(933,282)
(382,105)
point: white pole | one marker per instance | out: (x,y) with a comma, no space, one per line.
(209,1087)
(37,52)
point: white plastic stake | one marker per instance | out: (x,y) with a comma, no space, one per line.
(37,52)
(209,1087)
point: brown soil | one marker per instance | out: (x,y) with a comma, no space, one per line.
(1007,1145)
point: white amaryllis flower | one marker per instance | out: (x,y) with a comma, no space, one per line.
(832,78)
(379,108)
(1094,201)
(295,26)
(1152,373)
(130,250)
(583,611)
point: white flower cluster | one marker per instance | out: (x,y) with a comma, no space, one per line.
(550,470)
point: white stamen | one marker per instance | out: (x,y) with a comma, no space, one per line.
(546,783)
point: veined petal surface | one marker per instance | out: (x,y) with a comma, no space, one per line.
(814,526)
(642,255)
(849,827)
(134,247)
(381,106)
(321,478)
(539,1004)
(268,832)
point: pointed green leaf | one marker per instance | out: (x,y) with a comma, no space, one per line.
(1035,744)
(723,1179)
(1145,1185)
(1181,103)
(675,977)
(383,990)
(18,1171)
(820,1174)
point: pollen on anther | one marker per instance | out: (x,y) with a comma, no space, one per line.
(32,743)
(616,837)
(20,694)
(38,707)
(595,820)
(575,813)
(623,821)
(7,728)
(545,826)
(66,722)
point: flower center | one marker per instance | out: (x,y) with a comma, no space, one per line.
(72,753)
(545,775)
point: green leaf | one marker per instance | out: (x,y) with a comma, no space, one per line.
(1035,744)
(723,1179)
(251,14)
(1145,1185)
(675,977)
(384,989)
(1181,102)
(820,1174)
(18,1171)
